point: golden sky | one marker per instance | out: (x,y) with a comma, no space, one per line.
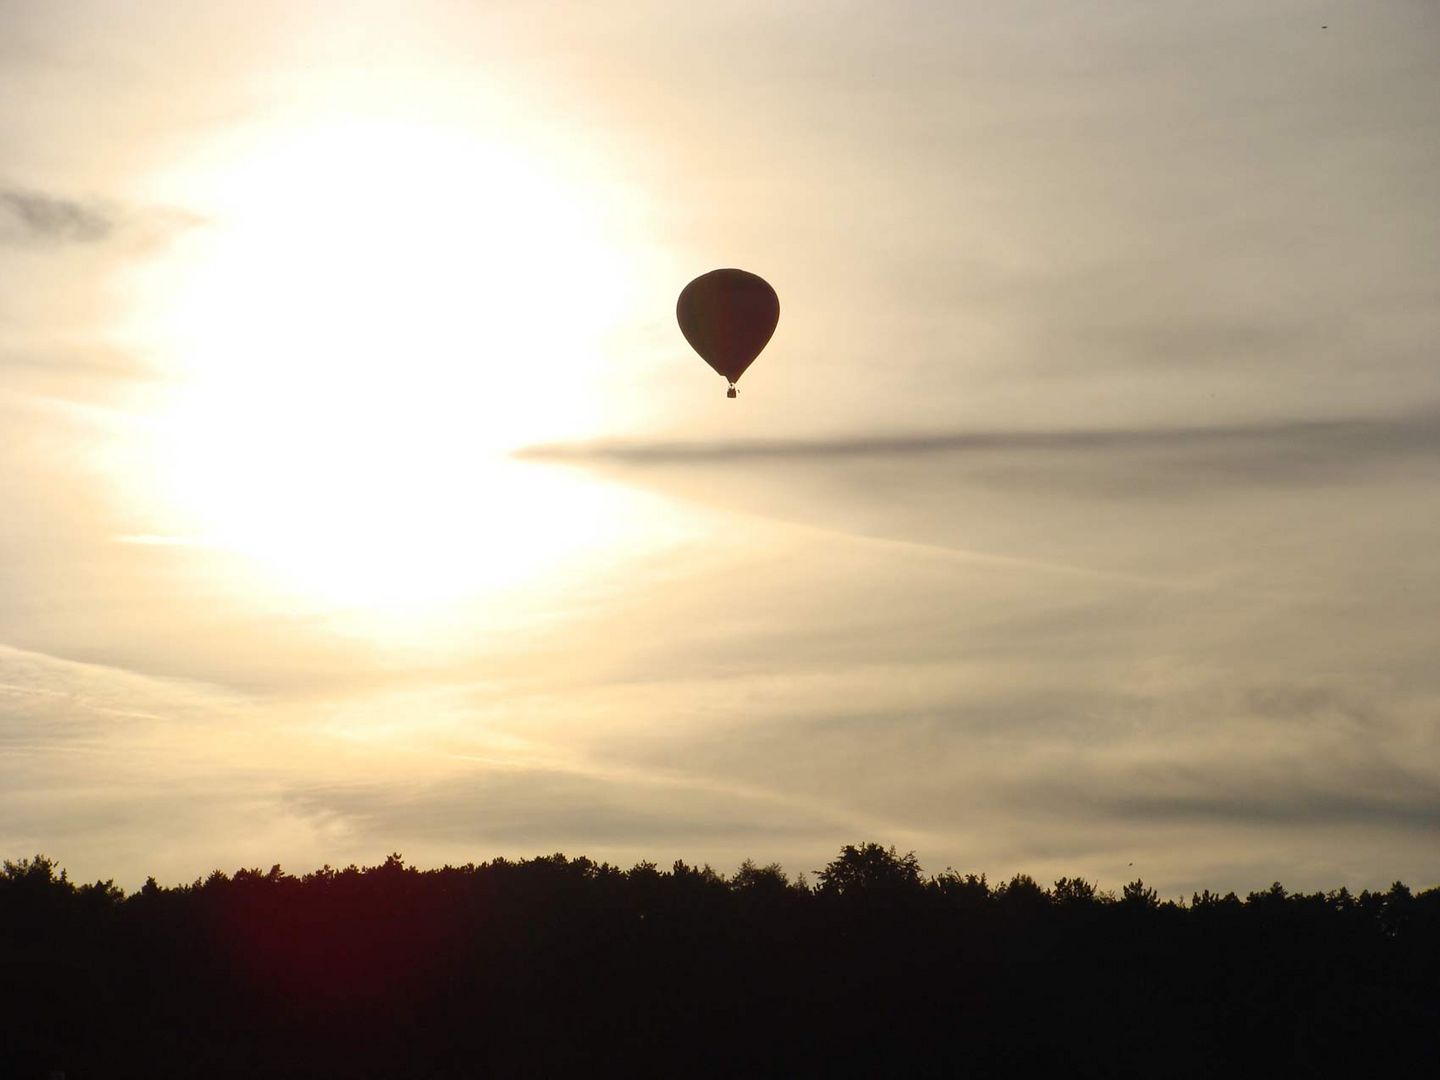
(360,494)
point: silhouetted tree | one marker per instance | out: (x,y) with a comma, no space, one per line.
(769,881)
(1021,893)
(1139,895)
(555,966)
(1074,892)
(870,871)
(964,892)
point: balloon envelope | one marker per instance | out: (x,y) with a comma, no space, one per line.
(728,317)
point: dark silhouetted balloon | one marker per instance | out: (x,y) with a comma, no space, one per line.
(728,317)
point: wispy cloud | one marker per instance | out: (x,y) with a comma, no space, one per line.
(33,218)
(1345,436)
(1339,782)
(156,540)
(547,809)
(1412,803)
(30,216)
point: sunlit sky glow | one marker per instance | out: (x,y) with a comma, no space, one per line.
(361,495)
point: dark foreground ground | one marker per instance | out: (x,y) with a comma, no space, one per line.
(559,967)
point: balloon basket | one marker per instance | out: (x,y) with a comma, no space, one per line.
(730,392)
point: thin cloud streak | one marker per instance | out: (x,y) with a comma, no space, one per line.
(155,540)
(32,218)
(1350,788)
(663,778)
(1367,436)
(1410,809)
(28,215)
(545,808)
(1012,562)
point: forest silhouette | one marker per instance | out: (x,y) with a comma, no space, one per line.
(557,966)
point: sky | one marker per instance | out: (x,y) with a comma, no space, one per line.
(359,493)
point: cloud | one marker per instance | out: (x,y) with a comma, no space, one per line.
(1318,783)
(1417,432)
(1414,804)
(1308,757)
(28,216)
(955,488)
(44,376)
(548,808)
(48,700)
(117,773)
(158,540)
(31,218)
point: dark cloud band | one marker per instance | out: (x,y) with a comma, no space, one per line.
(35,219)
(31,217)
(1417,432)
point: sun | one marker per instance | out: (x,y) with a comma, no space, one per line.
(375,315)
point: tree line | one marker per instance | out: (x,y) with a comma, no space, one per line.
(557,966)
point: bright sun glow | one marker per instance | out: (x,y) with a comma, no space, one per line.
(374,315)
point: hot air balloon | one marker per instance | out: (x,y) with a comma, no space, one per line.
(728,317)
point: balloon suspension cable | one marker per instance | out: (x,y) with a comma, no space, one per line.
(731,391)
